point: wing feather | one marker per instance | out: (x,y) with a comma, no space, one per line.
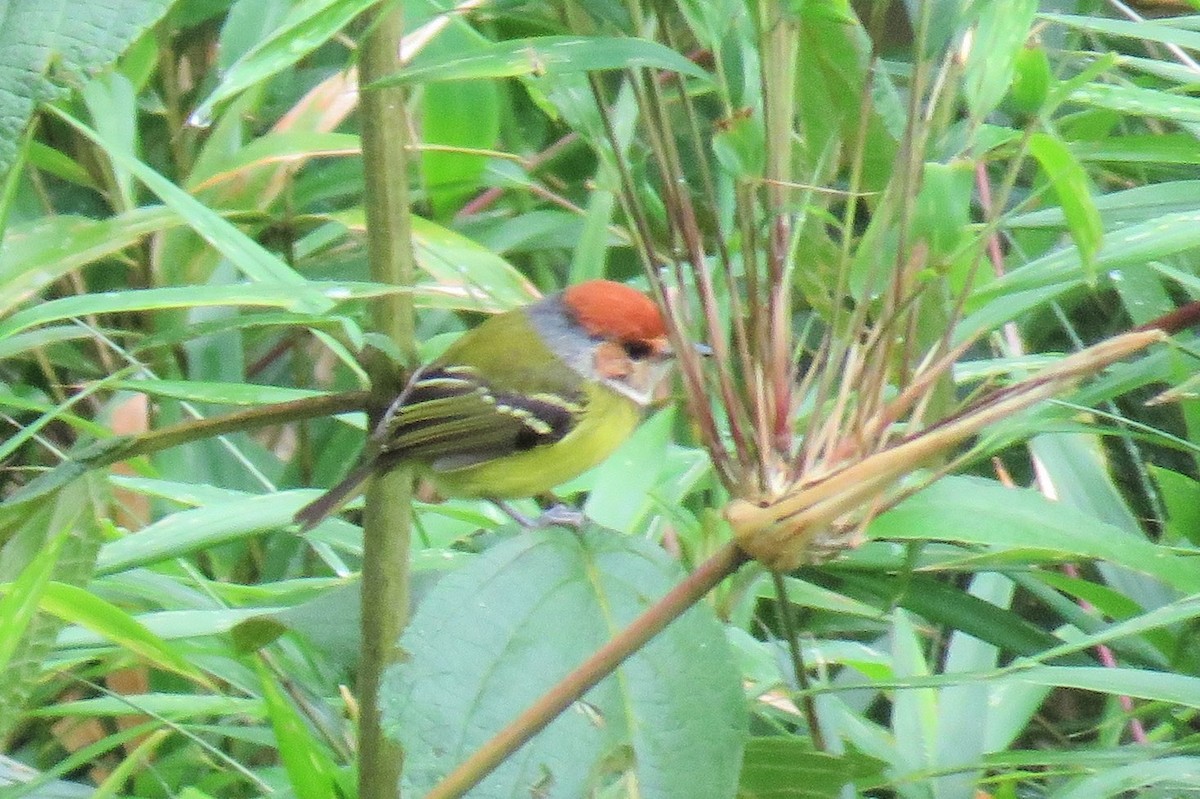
(452,418)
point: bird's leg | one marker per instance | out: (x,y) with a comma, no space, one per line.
(557,515)
(562,515)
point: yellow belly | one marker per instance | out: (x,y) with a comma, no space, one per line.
(609,419)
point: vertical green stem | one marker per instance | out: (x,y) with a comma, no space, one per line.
(387,522)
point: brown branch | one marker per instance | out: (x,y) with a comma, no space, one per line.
(114,450)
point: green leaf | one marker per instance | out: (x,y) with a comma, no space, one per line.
(779,767)
(172,706)
(40,252)
(268,295)
(486,281)
(69,37)
(1144,31)
(20,600)
(1032,78)
(1181,496)
(546,55)
(1157,686)
(1139,204)
(1046,277)
(1002,518)
(999,37)
(943,213)
(494,635)
(1138,102)
(250,257)
(309,766)
(218,393)
(1073,190)
(78,606)
(458,117)
(54,540)
(308,25)
(169,625)
(1164,776)
(191,530)
(738,146)
(914,712)
(1154,148)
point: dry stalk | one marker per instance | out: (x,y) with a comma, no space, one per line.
(827,507)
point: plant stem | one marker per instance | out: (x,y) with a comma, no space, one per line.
(604,662)
(387,525)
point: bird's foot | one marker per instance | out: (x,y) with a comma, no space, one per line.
(562,515)
(557,515)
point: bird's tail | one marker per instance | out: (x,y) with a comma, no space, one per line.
(333,499)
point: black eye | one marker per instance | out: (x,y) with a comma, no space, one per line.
(637,350)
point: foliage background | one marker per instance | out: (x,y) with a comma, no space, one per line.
(183,234)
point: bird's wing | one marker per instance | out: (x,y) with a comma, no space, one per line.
(452,416)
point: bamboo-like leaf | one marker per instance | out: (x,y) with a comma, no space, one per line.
(547,55)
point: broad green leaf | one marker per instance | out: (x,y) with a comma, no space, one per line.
(272,149)
(69,38)
(169,625)
(1076,467)
(53,541)
(468,277)
(546,55)
(1032,79)
(461,265)
(943,211)
(59,164)
(1073,190)
(494,635)
(946,19)
(965,711)
(612,501)
(738,147)
(1181,495)
(19,600)
(946,605)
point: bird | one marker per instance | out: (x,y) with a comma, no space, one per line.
(527,400)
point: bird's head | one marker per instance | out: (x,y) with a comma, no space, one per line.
(626,340)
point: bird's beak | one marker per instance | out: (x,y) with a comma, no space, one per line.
(664,350)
